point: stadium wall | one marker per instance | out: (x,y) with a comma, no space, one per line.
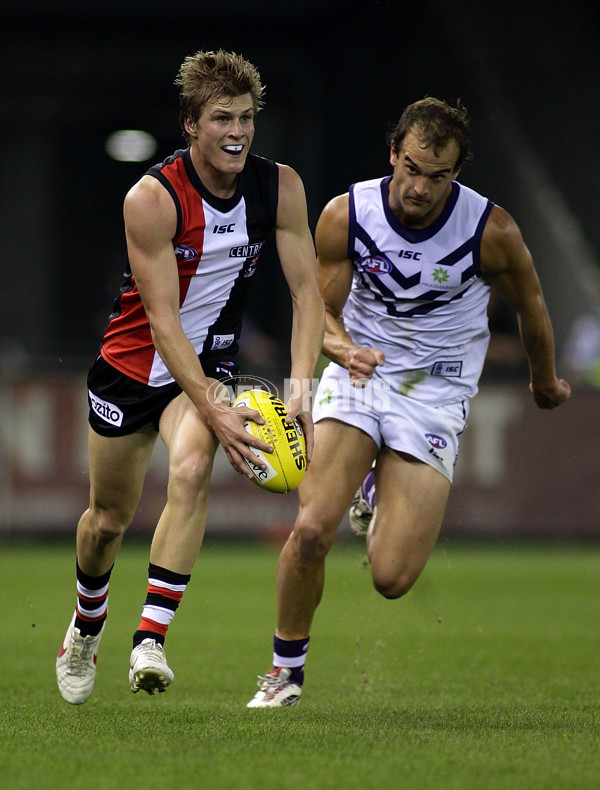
(521,471)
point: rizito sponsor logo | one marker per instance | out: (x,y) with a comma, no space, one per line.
(105,410)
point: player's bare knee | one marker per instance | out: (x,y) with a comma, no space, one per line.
(392,585)
(189,476)
(107,524)
(312,541)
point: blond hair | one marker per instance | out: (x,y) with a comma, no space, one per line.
(206,76)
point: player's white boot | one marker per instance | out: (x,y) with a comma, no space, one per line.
(276,690)
(148,670)
(76,664)
(360,514)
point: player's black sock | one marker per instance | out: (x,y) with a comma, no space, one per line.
(291,653)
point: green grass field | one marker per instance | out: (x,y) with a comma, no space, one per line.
(486,676)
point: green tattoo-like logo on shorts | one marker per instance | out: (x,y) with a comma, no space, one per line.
(327,396)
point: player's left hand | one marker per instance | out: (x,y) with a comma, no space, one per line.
(549,397)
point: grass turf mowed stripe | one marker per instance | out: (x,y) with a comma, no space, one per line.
(484,676)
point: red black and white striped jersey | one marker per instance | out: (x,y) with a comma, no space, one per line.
(217,245)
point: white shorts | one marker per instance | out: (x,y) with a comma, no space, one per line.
(429,433)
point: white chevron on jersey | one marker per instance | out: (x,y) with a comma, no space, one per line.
(417,294)
(216,272)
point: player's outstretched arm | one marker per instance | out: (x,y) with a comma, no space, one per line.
(298,262)
(508,265)
(335,279)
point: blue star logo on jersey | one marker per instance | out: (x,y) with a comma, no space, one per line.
(440,275)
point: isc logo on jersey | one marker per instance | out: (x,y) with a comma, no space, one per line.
(287,463)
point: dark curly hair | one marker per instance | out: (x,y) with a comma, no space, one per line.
(437,124)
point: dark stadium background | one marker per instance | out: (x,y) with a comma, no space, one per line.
(337,74)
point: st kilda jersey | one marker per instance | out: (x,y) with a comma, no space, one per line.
(217,245)
(418,294)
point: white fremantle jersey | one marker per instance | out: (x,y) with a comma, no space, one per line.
(417,294)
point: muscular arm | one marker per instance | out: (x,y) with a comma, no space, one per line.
(150,225)
(297,256)
(508,266)
(335,278)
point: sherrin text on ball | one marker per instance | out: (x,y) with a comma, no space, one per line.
(286,465)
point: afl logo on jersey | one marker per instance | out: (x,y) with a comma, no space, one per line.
(375,264)
(185,253)
(436,441)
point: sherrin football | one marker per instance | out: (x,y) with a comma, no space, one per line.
(287,463)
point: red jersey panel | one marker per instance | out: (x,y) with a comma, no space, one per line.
(216,246)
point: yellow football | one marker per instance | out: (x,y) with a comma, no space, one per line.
(287,463)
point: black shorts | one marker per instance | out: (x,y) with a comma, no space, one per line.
(120,405)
